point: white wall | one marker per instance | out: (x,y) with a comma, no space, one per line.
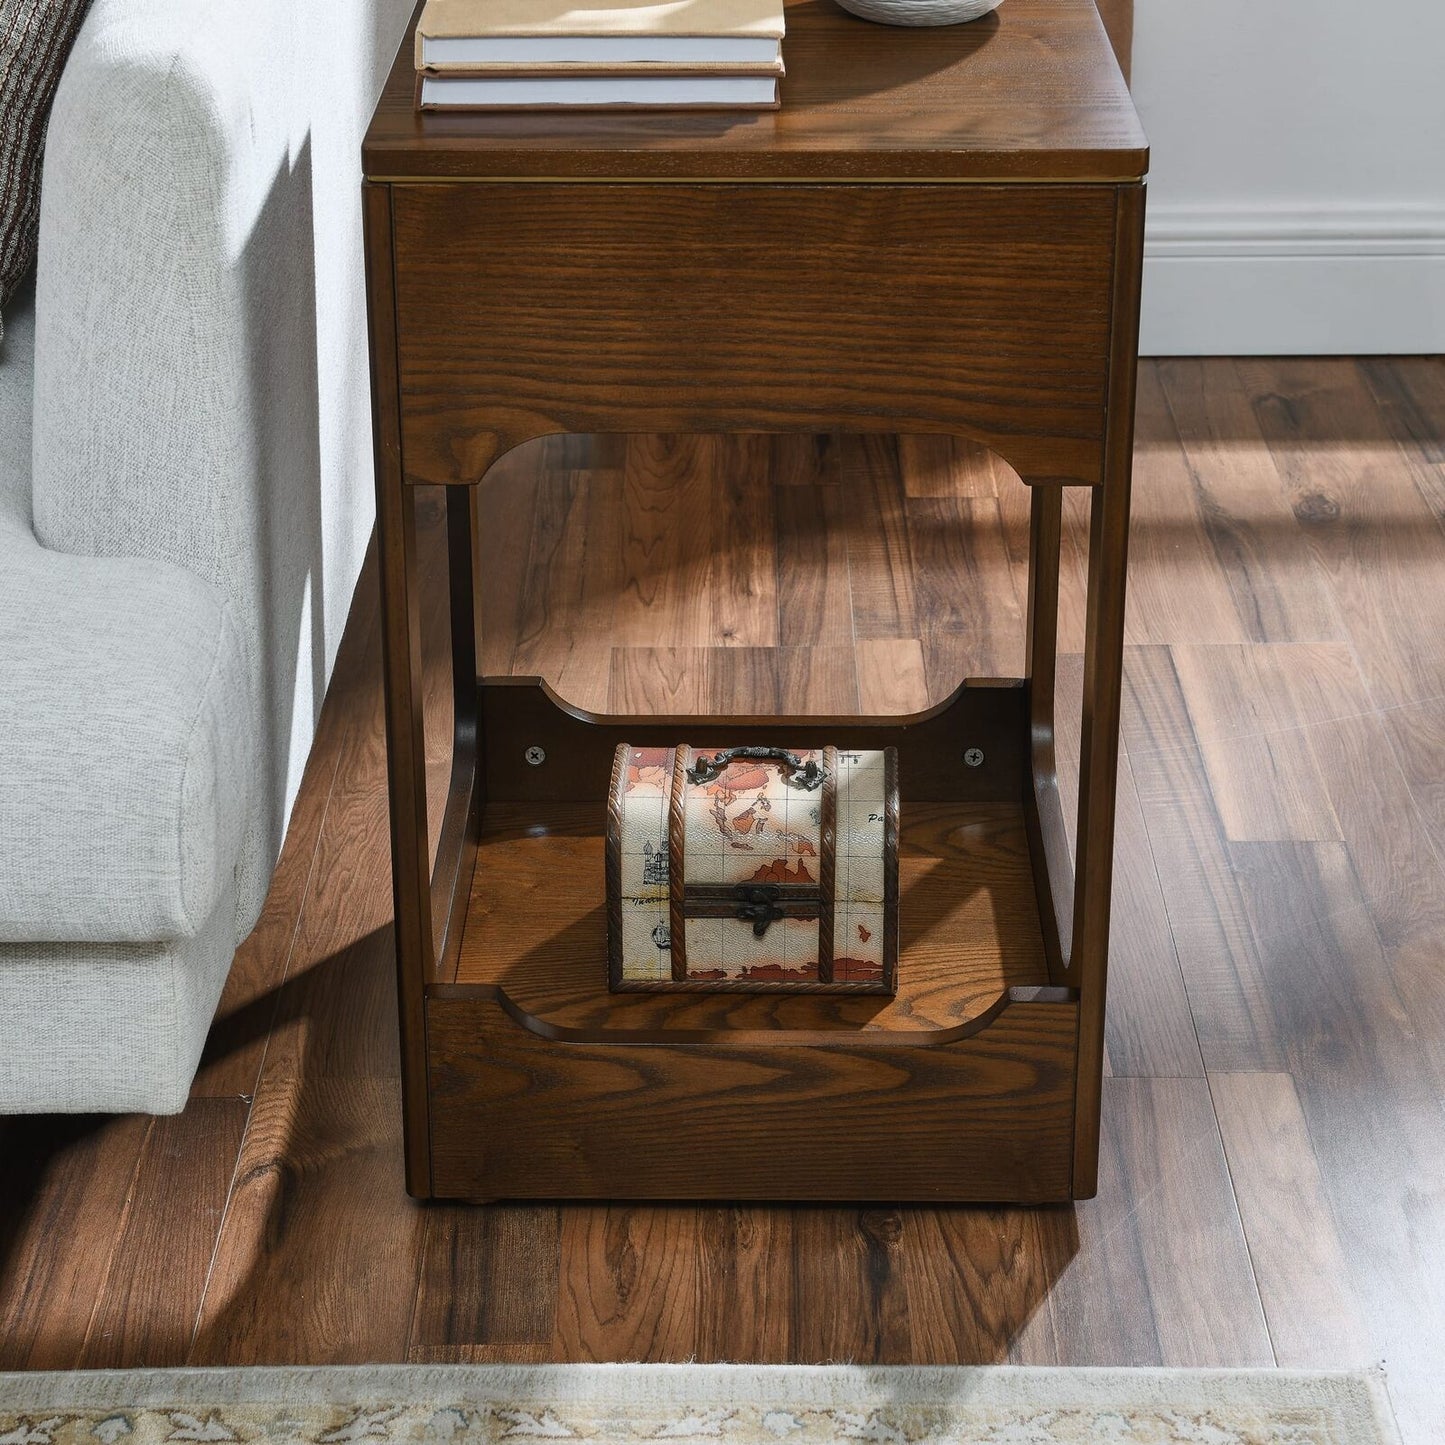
(1297,183)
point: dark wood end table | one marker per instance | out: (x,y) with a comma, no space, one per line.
(940,231)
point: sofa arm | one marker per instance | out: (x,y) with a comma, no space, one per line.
(159,285)
(200,393)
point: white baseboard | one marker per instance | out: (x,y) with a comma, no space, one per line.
(1345,279)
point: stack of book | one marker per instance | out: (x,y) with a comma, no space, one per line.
(540,54)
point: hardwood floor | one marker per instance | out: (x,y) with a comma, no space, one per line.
(1272,1182)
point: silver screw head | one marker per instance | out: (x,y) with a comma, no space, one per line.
(974,757)
(536,756)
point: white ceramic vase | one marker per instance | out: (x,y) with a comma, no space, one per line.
(919,12)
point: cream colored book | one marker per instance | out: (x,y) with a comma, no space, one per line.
(482,35)
(516,69)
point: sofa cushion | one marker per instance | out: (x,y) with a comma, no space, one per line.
(35,38)
(124,784)
(118,1027)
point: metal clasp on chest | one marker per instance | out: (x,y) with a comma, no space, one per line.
(758,905)
(761,904)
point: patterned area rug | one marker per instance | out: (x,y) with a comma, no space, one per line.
(726,1404)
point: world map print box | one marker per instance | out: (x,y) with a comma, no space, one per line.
(753,869)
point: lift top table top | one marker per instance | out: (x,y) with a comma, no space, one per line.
(1030,93)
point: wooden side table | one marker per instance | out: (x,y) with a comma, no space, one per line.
(940,231)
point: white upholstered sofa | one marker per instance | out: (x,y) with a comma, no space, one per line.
(185,499)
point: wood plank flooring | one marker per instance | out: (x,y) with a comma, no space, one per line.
(1273,1182)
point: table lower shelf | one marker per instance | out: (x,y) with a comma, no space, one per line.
(536,929)
(543,1084)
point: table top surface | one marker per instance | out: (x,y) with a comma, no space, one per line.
(1031,92)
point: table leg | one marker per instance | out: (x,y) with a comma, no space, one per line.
(456,852)
(1098,778)
(406,775)
(1048,838)
(402,683)
(1103,681)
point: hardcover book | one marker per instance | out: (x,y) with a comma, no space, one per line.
(469,35)
(593,91)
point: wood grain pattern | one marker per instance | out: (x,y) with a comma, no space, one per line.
(814,606)
(733,681)
(1303,1275)
(1362,516)
(964,586)
(1228,992)
(978,1283)
(854,1297)
(315,1230)
(1366,1092)
(880,558)
(66,1186)
(1265,779)
(951,466)
(892,676)
(1410,395)
(630,1283)
(177,1198)
(1161,1250)
(967,893)
(502,290)
(1180,545)
(1149,1031)
(1395,856)
(315,1233)
(666,571)
(1033,91)
(554,622)
(527,503)
(1240,502)
(989,1115)
(743,575)
(582,594)
(1370,510)
(486,1280)
(747,1289)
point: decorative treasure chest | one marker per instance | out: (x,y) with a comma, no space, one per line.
(753,870)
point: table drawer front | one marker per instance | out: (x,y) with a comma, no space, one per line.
(529,309)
